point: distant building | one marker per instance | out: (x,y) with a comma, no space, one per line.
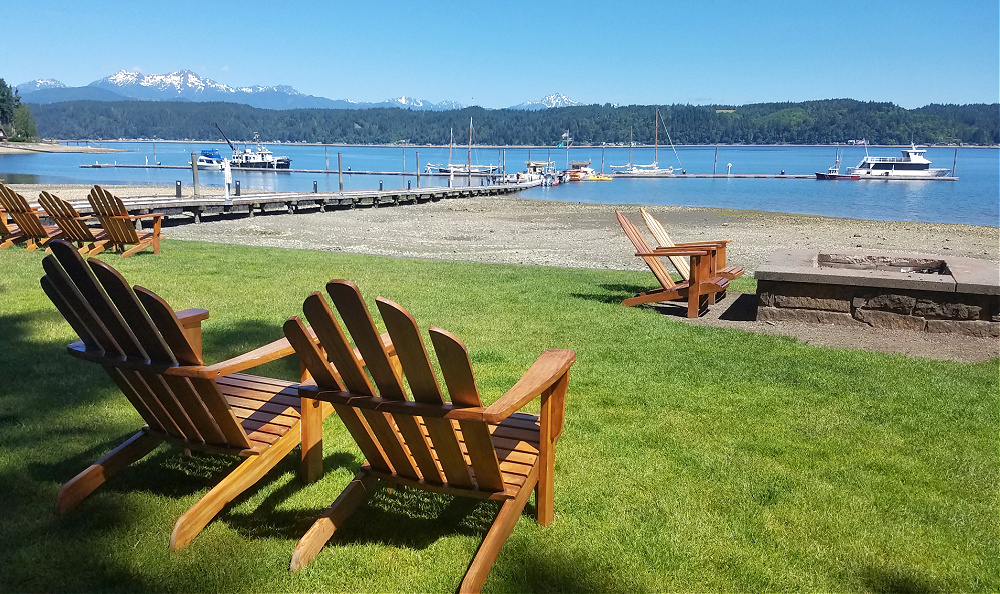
(725,111)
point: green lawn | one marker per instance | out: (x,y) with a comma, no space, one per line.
(693,458)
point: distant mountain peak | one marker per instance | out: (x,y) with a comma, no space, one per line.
(39,84)
(547,102)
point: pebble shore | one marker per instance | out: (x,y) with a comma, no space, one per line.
(508,230)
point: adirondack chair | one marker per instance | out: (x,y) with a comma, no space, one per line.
(699,291)
(89,240)
(26,217)
(664,241)
(9,232)
(153,355)
(118,223)
(459,448)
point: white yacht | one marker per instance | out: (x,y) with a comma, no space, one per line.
(912,165)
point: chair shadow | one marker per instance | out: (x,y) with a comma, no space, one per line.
(614,293)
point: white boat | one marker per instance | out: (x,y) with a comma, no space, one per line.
(468,168)
(912,165)
(653,169)
(210,160)
(261,158)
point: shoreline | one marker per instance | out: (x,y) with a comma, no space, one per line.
(521,231)
(16,148)
(513,230)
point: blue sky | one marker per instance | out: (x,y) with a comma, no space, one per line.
(500,54)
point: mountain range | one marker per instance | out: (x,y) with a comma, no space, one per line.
(186,85)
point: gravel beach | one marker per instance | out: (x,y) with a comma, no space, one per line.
(510,230)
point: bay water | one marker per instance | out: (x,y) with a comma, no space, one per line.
(973,199)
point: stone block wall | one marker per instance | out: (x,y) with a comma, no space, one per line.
(905,309)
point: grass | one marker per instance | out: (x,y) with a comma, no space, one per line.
(693,458)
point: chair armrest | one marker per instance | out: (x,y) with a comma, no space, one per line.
(192,317)
(673,252)
(706,242)
(142,216)
(269,352)
(546,371)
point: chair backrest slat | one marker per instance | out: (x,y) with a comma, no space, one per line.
(388,428)
(18,207)
(135,327)
(327,378)
(457,370)
(66,217)
(108,206)
(430,443)
(640,245)
(424,388)
(351,307)
(663,240)
(86,282)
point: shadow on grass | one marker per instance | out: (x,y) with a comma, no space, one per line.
(614,293)
(882,580)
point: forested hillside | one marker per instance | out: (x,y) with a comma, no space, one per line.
(811,122)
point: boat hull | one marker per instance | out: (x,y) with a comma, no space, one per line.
(835,176)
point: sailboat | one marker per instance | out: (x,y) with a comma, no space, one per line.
(653,169)
(834,172)
(468,168)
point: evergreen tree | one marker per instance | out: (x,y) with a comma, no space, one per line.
(15,118)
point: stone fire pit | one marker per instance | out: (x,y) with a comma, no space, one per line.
(901,291)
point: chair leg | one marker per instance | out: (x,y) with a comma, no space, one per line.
(243,477)
(334,517)
(83,484)
(138,248)
(311,425)
(502,526)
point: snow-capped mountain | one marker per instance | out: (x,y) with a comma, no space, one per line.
(549,101)
(185,85)
(38,85)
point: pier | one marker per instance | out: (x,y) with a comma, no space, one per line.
(299,202)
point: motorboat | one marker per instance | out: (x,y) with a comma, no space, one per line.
(210,160)
(833,173)
(259,158)
(912,165)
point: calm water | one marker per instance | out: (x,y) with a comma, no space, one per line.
(973,199)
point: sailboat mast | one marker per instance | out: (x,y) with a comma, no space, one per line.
(468,160)
(630,146)
(656,137)
(451,143)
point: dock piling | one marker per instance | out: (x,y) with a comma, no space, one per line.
(194,171)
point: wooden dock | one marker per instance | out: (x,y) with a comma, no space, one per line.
(299,202)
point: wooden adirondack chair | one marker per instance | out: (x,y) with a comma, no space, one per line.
(119,224)
(26,217)
(460,448)
(664,241)
(9,232)
(89,240)
(699,291)
(154,356)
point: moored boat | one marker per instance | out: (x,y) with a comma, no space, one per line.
(261,158)
(651,170)
(913,165)
(834,172)
(210,160)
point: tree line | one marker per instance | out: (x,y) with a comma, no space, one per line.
(811,122)
(16,121)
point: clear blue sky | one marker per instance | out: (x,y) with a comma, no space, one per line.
(502,53)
